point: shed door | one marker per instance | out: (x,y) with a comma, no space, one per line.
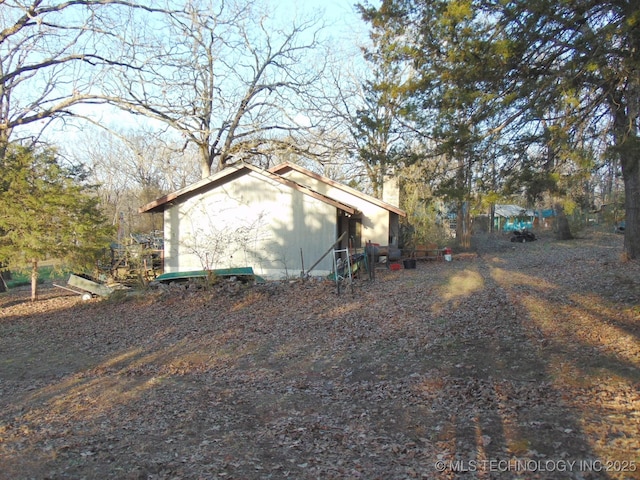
(352,224)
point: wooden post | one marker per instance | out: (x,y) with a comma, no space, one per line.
(34,279)
(370,254)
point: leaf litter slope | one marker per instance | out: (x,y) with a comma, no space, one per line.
(519,362)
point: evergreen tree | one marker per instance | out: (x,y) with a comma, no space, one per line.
(380,137)
(545,77)
(577,64)
(455,64)
(46,213)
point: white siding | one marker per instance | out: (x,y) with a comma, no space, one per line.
(250,221)
(375,219)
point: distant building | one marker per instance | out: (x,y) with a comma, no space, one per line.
(513,217)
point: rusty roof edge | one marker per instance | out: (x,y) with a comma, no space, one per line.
(285,166)
(160,203)
(309,191)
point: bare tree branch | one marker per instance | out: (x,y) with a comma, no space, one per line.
(53,56)
(223,77)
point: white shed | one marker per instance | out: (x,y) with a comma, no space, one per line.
(376,221)
(244,216)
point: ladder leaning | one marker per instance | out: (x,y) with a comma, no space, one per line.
(342,268)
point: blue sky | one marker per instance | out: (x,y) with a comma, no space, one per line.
(340,16)
(343,26)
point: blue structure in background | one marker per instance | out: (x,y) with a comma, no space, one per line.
(517,225)
(545,213)
(512,217)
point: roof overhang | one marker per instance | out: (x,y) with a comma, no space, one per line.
(229,174)
(288,166)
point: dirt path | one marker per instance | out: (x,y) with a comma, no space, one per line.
(521,362)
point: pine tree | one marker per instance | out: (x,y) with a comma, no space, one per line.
(46,213)
(531,76)
(455,66)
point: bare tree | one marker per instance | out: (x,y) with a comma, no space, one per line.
(225,76)
(52,54)
(360,138)
(132,167)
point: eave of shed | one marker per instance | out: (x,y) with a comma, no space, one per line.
(229,174)
(288,166)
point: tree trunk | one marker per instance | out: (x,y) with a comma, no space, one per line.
(492,218)
(463,226)
(631,177)
(563,231)
(628,145)
(205,161)
(34,279)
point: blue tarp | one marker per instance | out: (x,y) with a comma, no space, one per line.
(517,225)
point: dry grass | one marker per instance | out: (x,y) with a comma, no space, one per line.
(510,363)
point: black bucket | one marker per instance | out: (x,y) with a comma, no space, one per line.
(409,263)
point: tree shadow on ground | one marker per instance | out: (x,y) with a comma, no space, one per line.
(450,363)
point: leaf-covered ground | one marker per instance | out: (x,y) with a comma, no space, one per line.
(520,361)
